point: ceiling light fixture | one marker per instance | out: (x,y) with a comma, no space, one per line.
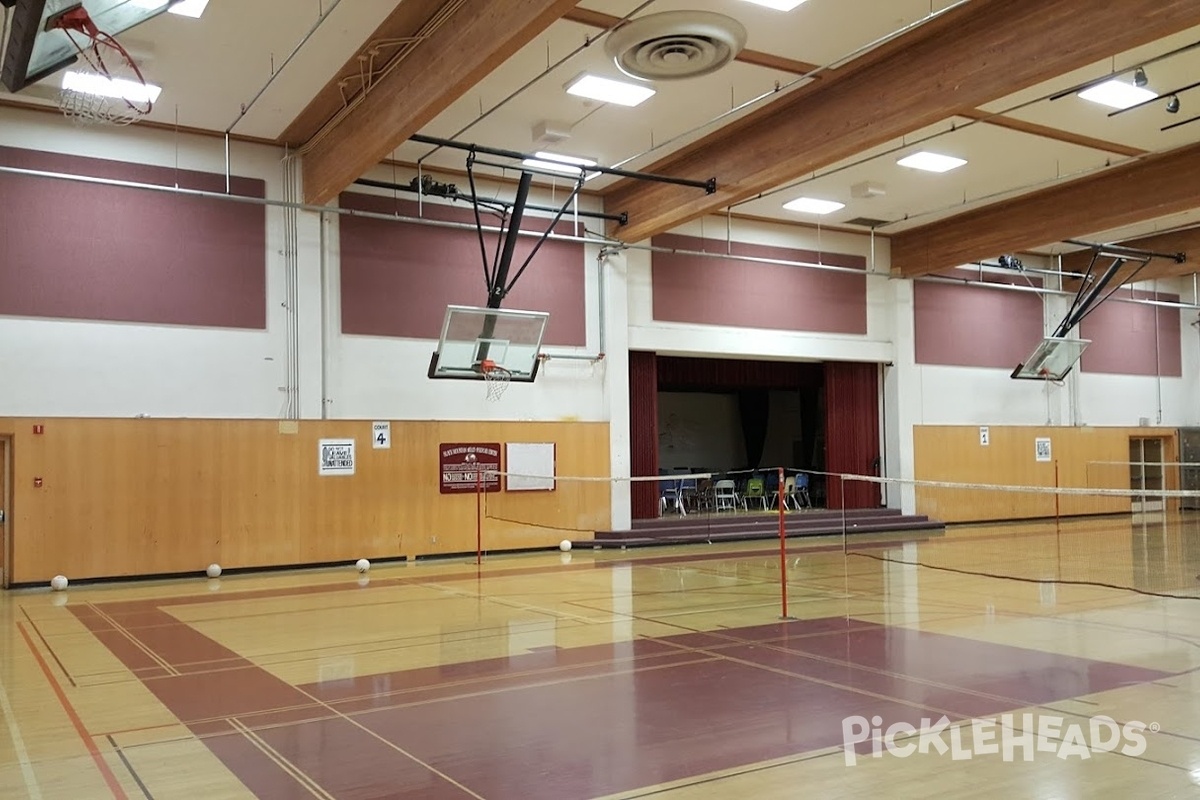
(91,83)
(189,8)
(606,90)
(184,8)
(931,162)
(1173,104)
(556,162)
(812,205)
(1139,78)
(1117,94)
(777,5)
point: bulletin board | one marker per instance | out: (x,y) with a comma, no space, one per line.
(530,466)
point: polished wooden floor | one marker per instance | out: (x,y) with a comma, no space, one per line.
(663,673)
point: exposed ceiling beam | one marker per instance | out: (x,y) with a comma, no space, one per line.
(602,21)
(405,21)
(969,56)
(1186,241)
(1058,135)
(467,40)
(1155,186)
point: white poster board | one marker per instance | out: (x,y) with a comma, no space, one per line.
(335,457)
(985,436)
(530,465)
(1041,449)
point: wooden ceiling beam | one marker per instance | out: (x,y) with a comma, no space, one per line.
(1056,134)
(474,37)
(968,57)
(405,21)
(1155,186)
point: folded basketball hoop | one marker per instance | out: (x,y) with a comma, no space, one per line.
(114,90)
(496,377)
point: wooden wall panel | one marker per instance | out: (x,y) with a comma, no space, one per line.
(953,453)
(124,497)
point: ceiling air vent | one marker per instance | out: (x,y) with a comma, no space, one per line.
(867,222)
(675,44)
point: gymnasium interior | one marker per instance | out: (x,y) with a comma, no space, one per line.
(545,399)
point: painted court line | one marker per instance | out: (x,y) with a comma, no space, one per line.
(109,778)
(14,733)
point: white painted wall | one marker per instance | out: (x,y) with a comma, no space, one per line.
(76,368)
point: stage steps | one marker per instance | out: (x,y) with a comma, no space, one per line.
(741,526)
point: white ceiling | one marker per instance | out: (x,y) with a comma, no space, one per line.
(209,68)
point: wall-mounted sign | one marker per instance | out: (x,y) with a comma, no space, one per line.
(1041,449)
(335,457)
(381,435)
(459,463)
(984,436)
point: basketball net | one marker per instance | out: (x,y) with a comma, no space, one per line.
(113,72)
(496,377)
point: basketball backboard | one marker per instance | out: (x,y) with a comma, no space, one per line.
(1052,359)
(512,339)
(35,52)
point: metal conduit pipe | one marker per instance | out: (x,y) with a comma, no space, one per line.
(597,240)
(1012,287)
(274,74)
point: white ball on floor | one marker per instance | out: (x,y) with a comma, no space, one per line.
(214,570)
(58,583)
(362,565)
(564,545)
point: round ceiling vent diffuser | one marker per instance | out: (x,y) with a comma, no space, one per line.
(675,44)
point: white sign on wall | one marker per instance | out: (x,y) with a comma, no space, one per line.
(1041,449)
(335,457)
(381,435)
(984,436)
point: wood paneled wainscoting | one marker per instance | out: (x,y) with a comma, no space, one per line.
(1082,457)
(126,497)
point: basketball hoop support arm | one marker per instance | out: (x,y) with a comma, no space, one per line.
(709,186)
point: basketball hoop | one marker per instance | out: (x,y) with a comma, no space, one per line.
(496,377)
(114,92)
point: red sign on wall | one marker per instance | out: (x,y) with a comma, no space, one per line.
(458,467)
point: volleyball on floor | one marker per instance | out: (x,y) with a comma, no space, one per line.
(214,570)
(58,583)
(564,545)
(362,565)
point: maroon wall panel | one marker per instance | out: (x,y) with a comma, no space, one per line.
(746,294)
(973,326)
(397,278)
(87,251)
(643,432)
(852,432)
(1133,338)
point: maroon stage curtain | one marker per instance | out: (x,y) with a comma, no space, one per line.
(643,432)
(852,431)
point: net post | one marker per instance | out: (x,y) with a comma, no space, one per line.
(782,552)
(1057,519)
(471,459)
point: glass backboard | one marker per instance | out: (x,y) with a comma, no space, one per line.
(48,51)
(509,338)
(1052,359)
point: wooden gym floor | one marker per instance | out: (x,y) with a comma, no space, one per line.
(662,673)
